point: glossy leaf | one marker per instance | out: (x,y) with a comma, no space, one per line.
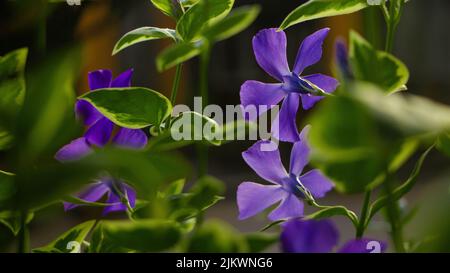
(315,9)
(200,15)
(143,34)
(177,54)
(238,20)
(168,7)
(377,67)
(134,107)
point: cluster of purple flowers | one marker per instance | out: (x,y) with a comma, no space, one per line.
(100,132)
(289,188)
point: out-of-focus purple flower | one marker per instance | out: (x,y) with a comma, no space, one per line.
(321,236)
(99,128)
(117,194)
(342,62)
(288,187)
(269,46)
(99,133)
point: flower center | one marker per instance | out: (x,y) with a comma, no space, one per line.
(294,83)
(293,185)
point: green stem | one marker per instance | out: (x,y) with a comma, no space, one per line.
(202,150)
(392,17)
(24,235)
(175,87)
(364,212)
(393,217)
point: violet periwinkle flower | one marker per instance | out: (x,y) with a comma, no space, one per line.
(99,133)
(269,46)
(321,236)
(289,188)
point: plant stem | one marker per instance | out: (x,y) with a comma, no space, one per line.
(202,150)
(362,219)
(392,17)
(175,87)
(24,235)
(393,216)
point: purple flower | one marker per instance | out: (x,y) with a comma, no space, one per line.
(289,188)
(99,128)
(117,195)
(99,132)
(321,236)
(269,46)
(342,60)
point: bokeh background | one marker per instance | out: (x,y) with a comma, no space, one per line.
(422,42)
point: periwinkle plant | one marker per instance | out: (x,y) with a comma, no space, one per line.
(125,164)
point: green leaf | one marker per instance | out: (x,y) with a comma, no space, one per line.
(238,20)
(69,241)
(134,107)
(272,224)
(192,126)
(12,92)
(143,34)
(7,186)
(12,81)
(48,109)
(402,189)
(258,242)
(327,212)
(216,236)
(377,67)
(175,187)
(143,235)
(168,7)
(205,192)
(315,9)
(200,15)
(176,54)
(11,219)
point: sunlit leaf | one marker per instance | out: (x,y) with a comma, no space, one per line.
(315,9)
(143,34)
(134,107)
(200,15)
(377,67)
(238,20)
(177,54)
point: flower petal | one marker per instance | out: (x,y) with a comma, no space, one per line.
(123,80)
(284,127)
(100,79)
(92,194)
(290,207)
(267,164)
(300,153)
(258,93)
(86,112)
(299,236)
(326,83)
(363,245)
(75,150)
(317,183)
(252,198)
(269,46)
(100,133)
(131,138)
(115,199)
(310,51)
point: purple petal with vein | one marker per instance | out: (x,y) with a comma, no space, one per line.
(75,150)
(310,51)
(252,198)
(269,46)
